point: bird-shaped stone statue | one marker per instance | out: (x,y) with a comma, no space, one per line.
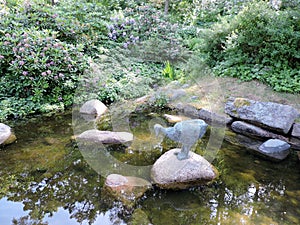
(186,132)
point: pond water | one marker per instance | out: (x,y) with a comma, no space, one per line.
(45,179)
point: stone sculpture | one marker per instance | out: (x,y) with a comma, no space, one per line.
(186,132)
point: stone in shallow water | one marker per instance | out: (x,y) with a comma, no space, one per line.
(170,173)
(105,137)
(6,136)
(275,149)
(93,107)
(126,189)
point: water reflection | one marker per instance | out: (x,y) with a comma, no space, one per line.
(45,180)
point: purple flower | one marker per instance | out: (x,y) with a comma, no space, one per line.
(61,75)
(25,73)
(59,98)
(7,35)
(21,49)
(5,43)
(21,63)
(1,57)
(55,77)
(124,34)
(44,74)
(49,72)
(125,45)
(26,45)
(69,65)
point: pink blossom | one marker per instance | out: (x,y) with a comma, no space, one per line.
(1,57)
(61,75)
(25,73)
(49,72)
(55,77)
(21,63)
(44,74)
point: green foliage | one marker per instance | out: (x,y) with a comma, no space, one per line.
(38,68)
(169,71)
(118,77)
(258,43)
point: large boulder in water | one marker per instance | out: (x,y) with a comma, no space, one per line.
(6,135)
(269,115)
(105,137)
(274,149)
(170,173)
(126,189)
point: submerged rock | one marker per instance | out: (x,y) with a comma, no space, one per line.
(105,137)
(6,136)
(275,149)
(170,173)
(93,107)
(273,116)
(175,118)
(260,148)
(126,189)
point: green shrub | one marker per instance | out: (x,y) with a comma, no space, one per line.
(259,43)
(36,66)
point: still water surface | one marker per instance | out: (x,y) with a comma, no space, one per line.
(44,179)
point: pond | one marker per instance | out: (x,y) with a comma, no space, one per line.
(45,179)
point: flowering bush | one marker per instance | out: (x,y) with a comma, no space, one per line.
(36,66)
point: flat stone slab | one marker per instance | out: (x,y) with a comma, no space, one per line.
(6,136)
(254,131)
(296,130)
(93,107)
(170,173)
(105,137)
(126,189)
(275,149)
(273,116)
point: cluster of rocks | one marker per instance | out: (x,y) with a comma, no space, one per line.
(167,172)
(271,125)
(267,129)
